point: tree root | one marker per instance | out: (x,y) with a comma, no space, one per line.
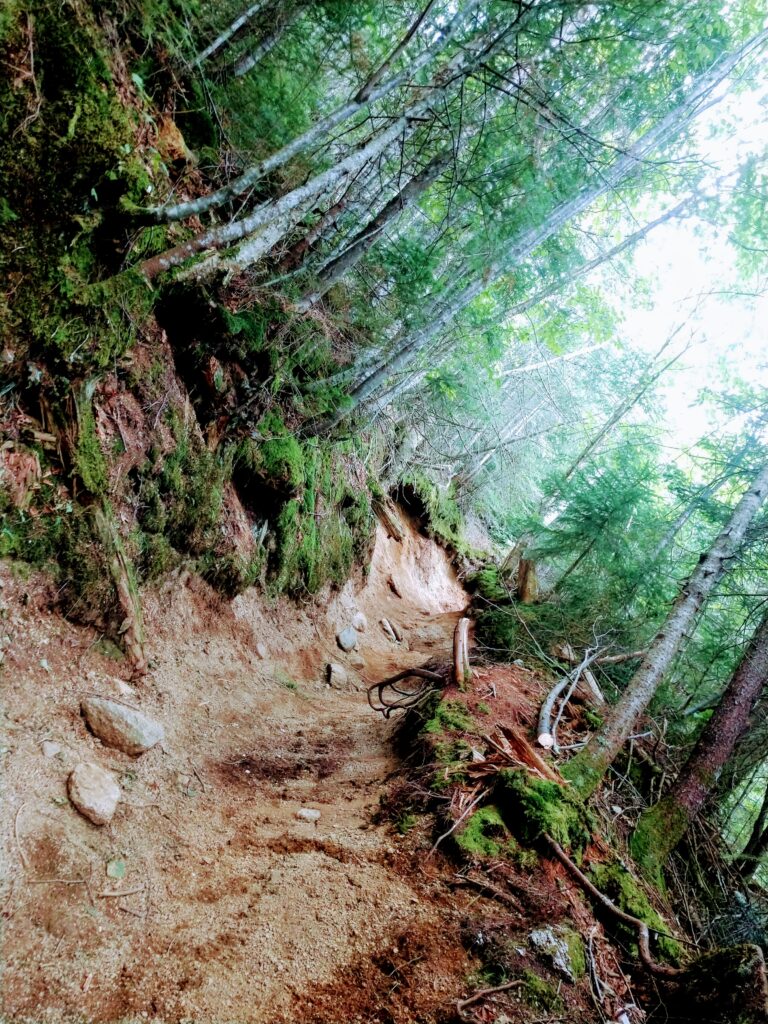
(401,699)
(483,993)
(643,934)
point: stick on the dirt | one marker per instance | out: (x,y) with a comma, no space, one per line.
(483,993)
(643,935)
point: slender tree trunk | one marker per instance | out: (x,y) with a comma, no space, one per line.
(364,93)
(249,60)
(757,844)
(588,767)
(231,30)
(411,342)
(310,138)
(583,269)
(662,826)
(334,271)
(280,211)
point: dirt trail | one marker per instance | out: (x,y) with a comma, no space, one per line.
(234,909)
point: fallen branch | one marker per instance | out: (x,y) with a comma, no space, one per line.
(643,934)
(547,732)
(462,673)
(483,993)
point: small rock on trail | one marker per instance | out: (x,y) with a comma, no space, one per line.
(121,726)
(347,639)
(94,792)
(337,676)
(50,749)
(308,814)
(359,622)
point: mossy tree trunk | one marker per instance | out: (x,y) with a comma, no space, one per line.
(587,769)
(661,828)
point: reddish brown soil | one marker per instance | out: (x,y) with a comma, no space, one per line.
(234,908)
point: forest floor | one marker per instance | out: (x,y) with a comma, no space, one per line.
(235,909)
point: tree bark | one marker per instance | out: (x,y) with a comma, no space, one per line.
(587,768)
(231,30)
(308,139)
(365,238)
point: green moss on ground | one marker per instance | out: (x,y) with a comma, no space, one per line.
(450,716)
(541,994)
(489,585)
(626,892)
(546,808)
(484,835)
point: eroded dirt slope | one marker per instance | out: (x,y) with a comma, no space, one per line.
(230,907)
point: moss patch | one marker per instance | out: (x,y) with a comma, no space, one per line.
(484,834)
(619,885)
(544,807)
(450,716)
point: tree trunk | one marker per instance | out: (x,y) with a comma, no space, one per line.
(231,30)
(313,135)
(411,342)
(277,212)
(249,60)
(661,827)
(365,238)
(364,93)
(757,843)
(587,768)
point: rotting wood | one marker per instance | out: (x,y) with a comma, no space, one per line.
(462,673)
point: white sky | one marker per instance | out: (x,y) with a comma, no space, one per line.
(683,266)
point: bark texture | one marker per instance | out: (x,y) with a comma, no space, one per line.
(587,769)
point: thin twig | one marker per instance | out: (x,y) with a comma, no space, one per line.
(483,993)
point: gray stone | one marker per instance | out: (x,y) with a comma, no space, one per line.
(121,726)
(519,662)
(50,749)
(359,622)
(261,651)
(356,660)
(389,632)
(562,947)
(336,675)
(347,639)
(308,814)
(94,792)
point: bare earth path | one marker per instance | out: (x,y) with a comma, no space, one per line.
(233,907)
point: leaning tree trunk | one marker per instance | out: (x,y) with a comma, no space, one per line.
(310,138)
(588,767)
(757,844)
(633,159)
(231,30)
(662,826)
(334,271)
(249,60)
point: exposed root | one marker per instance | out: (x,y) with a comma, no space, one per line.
(462,673)
(643,934)
(387,696)
(483,993)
